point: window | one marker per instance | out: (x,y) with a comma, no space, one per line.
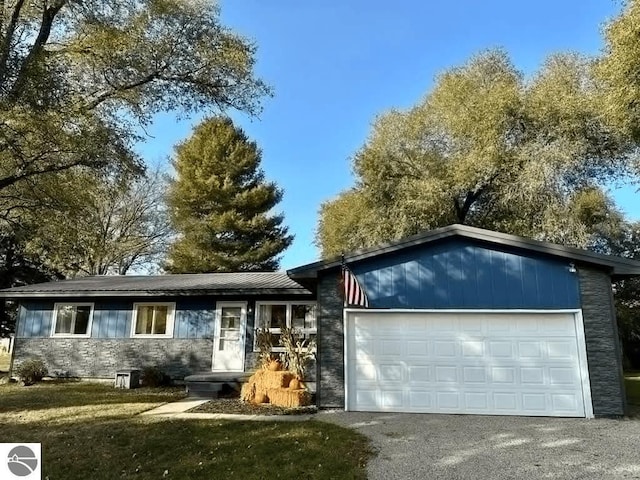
(152,320)
(276,315)
(72,319)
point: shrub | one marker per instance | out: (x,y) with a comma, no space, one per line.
(31,371)
(154,377)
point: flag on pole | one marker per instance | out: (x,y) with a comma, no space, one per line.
(353,293)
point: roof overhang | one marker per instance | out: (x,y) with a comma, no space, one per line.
(152,293)
(617,267)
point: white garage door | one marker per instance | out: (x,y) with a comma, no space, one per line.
(480,363)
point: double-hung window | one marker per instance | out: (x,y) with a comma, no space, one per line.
(153,319)
(72,319)
(276,315)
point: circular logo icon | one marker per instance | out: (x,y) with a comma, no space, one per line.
(22,461)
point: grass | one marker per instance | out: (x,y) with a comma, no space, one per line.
(92,431)
(632,387)
(5,359)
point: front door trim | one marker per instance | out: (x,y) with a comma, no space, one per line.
(218,325)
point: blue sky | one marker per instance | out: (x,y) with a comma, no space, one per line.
(336,64)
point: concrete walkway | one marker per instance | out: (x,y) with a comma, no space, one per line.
(174,408)
(178,410)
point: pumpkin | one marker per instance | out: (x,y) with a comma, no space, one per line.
(294,384)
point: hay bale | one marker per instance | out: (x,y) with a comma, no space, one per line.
(277,379)
(248,392)
(288,398)
(261,382)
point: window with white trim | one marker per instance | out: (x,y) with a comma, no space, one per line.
(153,319)
(276,315)
(72,319)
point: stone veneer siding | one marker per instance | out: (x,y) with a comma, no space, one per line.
(603,349)
(330,339)
(100,358)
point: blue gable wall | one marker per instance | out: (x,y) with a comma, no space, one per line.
(459,273)
(112,317)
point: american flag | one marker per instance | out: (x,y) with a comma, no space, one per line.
(353,293)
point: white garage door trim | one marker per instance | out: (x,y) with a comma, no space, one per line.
(579,331)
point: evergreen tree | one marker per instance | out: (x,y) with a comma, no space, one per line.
(220,202)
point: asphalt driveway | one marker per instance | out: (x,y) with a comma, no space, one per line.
(453,447)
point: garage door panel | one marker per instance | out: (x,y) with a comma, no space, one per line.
(419,348)
(366,373)
(532,376)
(529,350)
(428,366)
(472,348)
(561,326)
(534,402)
(562,349)
(474,375)
(390,374)
(563,376)
(420,400)
(470,326)
(391,347)
(568,402)
(419,374)
(497,327)
(447,400)
(367,398)
(505,401)
(446,374)
(501,349)
(444,348)
(443,324)
(476,401)
(503,375)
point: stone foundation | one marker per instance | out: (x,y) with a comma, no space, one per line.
(100,358)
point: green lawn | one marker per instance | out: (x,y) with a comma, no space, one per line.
(5,359)
(632,387)
(92,431)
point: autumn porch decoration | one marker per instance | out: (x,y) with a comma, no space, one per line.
(279,387)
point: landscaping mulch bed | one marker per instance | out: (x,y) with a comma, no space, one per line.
(236,406)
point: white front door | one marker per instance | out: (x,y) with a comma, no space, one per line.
(228,342)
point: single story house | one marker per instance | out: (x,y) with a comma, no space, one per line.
(459,320)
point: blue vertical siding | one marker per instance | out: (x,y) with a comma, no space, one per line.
(112,317)
(34,319)
(195,318)
(462,274)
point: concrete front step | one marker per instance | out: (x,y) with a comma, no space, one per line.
(212,384)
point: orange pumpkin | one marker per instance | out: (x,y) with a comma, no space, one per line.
(294,384)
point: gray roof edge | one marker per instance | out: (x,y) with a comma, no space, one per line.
(619,265)
(249,292)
